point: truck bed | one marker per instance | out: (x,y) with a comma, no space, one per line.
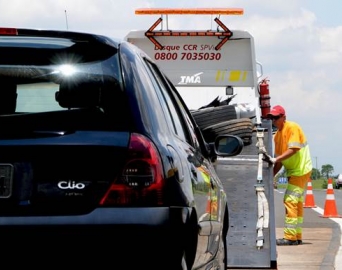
(239,177)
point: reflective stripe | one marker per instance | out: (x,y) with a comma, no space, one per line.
(290,226)
(292,193)
(297,144)
(330,197)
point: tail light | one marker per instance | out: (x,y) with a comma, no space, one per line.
(8,31)
(141,181)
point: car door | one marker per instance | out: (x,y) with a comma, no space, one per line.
(203,185)
(206,183)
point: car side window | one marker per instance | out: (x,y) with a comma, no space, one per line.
(173,114)
(179,115)
(186,116)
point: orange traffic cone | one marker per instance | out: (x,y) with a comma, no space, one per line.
(309,197)
(330,210)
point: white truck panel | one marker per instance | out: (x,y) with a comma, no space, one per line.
(194,61)
(198,70)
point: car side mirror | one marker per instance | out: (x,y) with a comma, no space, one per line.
(227,145)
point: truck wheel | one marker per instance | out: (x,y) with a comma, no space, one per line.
(242,128)
(214,115)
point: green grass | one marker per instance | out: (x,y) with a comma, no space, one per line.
(319,184)
(316,184)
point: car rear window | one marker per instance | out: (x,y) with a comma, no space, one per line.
(50,74)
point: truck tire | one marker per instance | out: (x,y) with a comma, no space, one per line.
(242,128)
(214,115)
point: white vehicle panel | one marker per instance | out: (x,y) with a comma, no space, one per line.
(194,60)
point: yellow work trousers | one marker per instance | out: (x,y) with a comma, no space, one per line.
(293,202)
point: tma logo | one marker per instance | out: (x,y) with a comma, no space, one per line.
(191,79)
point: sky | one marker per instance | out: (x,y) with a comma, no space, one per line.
(298,43)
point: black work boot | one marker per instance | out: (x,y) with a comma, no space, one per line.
(286,242)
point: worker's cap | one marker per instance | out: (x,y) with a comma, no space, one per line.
(276,111)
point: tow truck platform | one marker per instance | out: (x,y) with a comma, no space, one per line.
(242,238)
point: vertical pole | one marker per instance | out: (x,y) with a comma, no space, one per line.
(66,20)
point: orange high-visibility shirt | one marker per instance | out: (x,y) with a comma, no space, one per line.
(292,136)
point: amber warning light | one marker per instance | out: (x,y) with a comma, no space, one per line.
(224,35)
(189,11)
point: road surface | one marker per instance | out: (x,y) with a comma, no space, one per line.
(321,247)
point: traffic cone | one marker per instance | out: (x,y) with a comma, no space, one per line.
(309,197)
(330,209)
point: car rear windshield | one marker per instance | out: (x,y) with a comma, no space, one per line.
(51,74)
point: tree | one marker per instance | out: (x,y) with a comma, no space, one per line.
(315,174)
(326,170)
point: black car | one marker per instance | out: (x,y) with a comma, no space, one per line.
(101,161)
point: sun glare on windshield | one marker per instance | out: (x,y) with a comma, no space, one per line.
(67,70)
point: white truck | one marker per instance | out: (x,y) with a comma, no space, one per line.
(215,65)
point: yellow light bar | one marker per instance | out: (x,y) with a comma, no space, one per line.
(189,11)
(187,33)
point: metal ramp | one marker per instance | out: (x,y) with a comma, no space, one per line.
(239,175)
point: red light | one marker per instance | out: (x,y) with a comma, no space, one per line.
(8,31)
(141,181)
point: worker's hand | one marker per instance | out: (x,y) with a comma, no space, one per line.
(268,159)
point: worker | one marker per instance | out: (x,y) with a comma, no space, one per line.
(293,154)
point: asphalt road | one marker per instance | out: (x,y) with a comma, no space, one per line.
(321,236)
